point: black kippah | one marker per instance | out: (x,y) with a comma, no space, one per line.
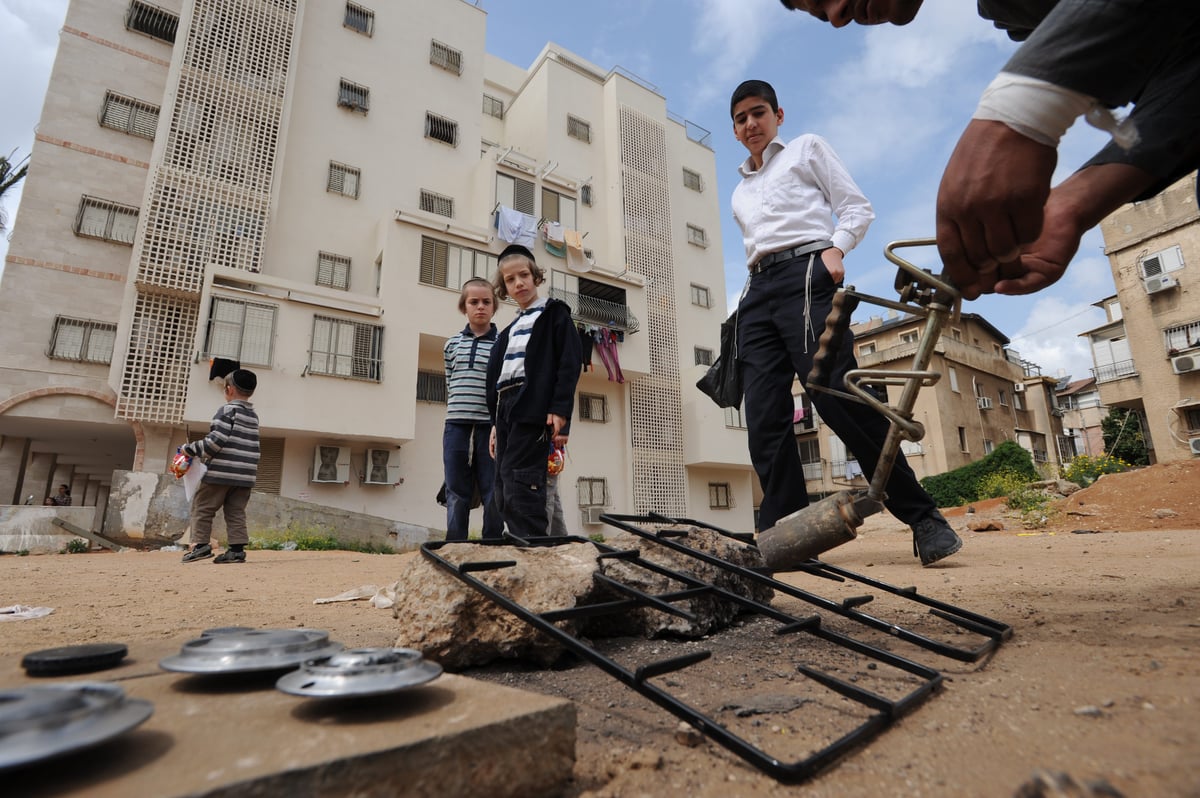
(516,249)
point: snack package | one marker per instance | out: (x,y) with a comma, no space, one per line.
(180,464)
(557,460)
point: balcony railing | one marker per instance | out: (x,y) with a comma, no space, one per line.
(1115,371)
(590,310)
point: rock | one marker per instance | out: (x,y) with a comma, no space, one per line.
(686,734)
(1164,512)
(1089,712)
(984,525)
(1047,784)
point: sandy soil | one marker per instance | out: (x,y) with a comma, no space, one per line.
(1101,679)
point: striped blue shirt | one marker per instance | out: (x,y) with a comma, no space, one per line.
(466,356)
(513,369)
(231,446)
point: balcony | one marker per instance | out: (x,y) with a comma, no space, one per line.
(1115,371)
(590,310)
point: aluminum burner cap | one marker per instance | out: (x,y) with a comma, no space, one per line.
(360,672)
(234,650)
(41,721)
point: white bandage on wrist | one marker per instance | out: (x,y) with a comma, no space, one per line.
(1042,111)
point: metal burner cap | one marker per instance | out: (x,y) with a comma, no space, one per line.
(235,650)
(41,721)
(360,672)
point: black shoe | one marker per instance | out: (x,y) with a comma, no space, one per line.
(200,552)
(934,539)
(229,555)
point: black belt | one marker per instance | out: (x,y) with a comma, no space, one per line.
(772,258)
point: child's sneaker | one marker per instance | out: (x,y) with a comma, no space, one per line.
(198,553)
(229,555)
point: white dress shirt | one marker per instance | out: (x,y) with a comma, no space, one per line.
(794,197)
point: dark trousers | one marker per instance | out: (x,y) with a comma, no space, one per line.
(469,468)
(208,499)
(772,341)
(521,452)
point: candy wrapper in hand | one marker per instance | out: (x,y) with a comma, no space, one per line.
(557,460)
(180,463)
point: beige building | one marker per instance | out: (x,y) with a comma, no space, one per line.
(1082,413)
(303,185)
(1147,354)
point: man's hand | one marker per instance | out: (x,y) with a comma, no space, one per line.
(1044,261)
(492,443)
(990,203)
(832,258)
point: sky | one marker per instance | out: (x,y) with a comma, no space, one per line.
(891,101)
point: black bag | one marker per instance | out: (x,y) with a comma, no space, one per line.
(476,500)
(723,381)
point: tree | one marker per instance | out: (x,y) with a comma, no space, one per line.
(1123,437)
(11,173)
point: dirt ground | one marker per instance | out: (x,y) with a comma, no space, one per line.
(1100,680)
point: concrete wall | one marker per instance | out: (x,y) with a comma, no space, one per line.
(31,529)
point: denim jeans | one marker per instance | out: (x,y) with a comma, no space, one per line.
(467,466)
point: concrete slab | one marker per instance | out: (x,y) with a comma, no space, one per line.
(240,737)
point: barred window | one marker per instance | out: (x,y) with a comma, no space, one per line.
(343,180)
(155,22)
(105,219)
(353,96)
(697,236)
(593,491)
(700,296)
(431,387)
(359,19)
(578,129)
(719,496)
(242,331)
(343,348)
(128,115)
(432,202)
(446,57)
(449,265)
(692,180)
(493,106)
(704,357)
(333,270)
(1185,336)
(441,129)
(593,407)
(84,340)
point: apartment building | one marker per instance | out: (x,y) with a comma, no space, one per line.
(1082,413)
(302,186)
(1147,353)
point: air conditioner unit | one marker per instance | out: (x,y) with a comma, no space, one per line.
(985,403)
(1194,445)
(331,464)
(1018,387)
(591,515)
(1185,363)
(1158,283)
(380,467)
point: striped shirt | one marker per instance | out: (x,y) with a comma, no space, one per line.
(513,369)
(466,357)
(230,447)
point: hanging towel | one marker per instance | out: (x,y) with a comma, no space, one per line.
(553,232)
(558,250)
(516,227)
(577,259)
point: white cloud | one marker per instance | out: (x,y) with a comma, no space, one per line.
(729,35)
(1050,335)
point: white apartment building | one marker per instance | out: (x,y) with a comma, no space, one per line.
(303,185)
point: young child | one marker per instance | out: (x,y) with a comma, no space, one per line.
(531,381)
(466,438)
(231,449)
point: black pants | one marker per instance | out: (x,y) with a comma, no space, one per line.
(521,452)
(772,341)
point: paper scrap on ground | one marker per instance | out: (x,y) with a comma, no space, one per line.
(19,612)
(381,597)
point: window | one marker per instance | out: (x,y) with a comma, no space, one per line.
(493,106)
(734,419)
(516,193)
(242,331)
(953,379)
(343,348)
(700,296)
(446,57)
(437,203)
(697,236)
(155,22)
(84,340)
(866,349)
(128,115)
(431,387)
(909,337)
(585,194)
(962,439)
(718,496)
(1003,398)
(449,265)
(692,180)
(1186,336)
(343,180)
(441,129)
(956,334)
(333,270)
(359,19)
(558,208)
(704,357)
(988,446)
(578,129)
(810,458)
(111,221)
(1161,262)
(593,407)
(978,388)
(593,491)
(353,96)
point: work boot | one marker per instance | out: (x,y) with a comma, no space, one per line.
(934,539)
(198,553)
(229,555)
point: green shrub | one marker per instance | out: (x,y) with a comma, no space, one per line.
(76,546)
(312,539)
(962,485)
(1086,469)
(1001,483)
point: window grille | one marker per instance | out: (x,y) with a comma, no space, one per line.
(704,357)
(578,129)
(432,202)
(515,193)
(1185,336)
(84,340)
(105,219)
(692,180)
(431,387)
(493,106)
(697,236)
(593,491)
(700,296)
(155,22)
(359,19)
(449,265)
(343,180)
(593,407)
(128,115)
(441,129)
(446,57)
(242,331)
(269,478)
(333,270)
(718,496)
(343,348)
(353,96)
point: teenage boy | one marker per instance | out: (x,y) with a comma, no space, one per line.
(785,205)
